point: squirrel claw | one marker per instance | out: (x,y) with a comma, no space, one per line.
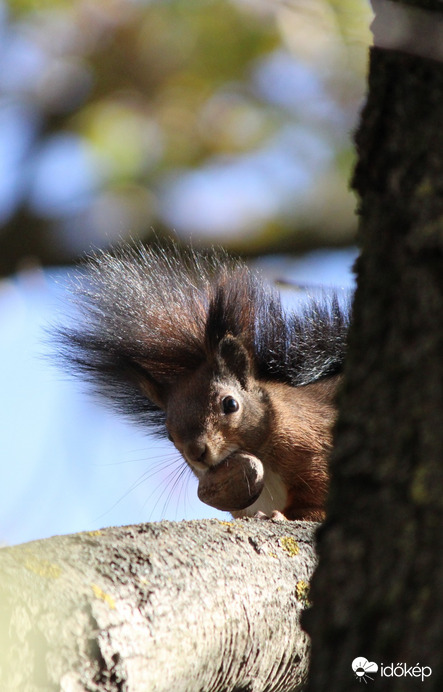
(275,516)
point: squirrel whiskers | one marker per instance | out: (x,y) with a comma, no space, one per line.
(198,347)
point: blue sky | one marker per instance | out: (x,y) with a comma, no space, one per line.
(68,463)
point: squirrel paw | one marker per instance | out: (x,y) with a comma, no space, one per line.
(275,516)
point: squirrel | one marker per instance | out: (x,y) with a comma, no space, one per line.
(198,347)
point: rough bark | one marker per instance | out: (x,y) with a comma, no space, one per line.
(201,605)
(378,590)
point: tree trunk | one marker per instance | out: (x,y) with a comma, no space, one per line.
(378,590)
(173,607)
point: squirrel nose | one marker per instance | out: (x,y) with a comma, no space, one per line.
(195,450)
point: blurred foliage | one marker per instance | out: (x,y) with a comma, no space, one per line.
(225,121)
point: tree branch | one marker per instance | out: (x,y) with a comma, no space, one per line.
(200,605)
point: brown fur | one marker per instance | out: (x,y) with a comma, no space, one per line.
(166,334)
(300,442)
(287,428)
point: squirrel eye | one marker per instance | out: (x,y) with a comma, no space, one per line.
(229,404)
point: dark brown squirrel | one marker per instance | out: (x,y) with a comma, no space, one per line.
(199,348)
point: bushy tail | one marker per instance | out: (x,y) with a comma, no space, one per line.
(160,312)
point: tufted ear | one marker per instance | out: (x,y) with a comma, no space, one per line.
(235,358)
(152,389)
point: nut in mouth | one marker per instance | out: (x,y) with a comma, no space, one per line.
(233,484)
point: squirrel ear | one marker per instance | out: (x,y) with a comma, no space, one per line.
(152,389)
(236,358)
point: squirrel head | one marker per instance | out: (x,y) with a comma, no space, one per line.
(217,409)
